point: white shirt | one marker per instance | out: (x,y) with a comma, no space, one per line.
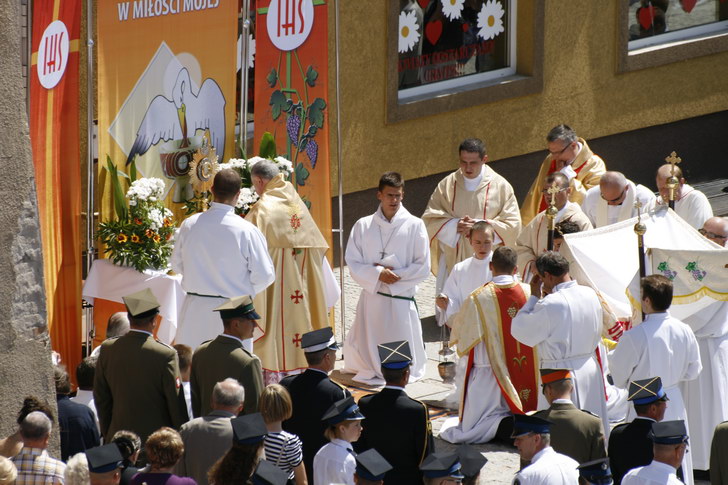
(656,473)
(219,253)
(335,463)
(549,468)
(87,398)
(693,206)
(565,323)
(602,214)
(660,346)
(465,277)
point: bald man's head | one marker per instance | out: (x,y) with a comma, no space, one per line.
(716,229)
(663,173)
(613,187)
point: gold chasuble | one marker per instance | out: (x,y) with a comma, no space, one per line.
(486,317)
(493,200)
(296,302)
(589,169)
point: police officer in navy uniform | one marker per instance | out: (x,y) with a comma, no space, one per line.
(370,468)
(313,393)
(441,469)
(595,472)
(397,426)
(137,384)
(629,444)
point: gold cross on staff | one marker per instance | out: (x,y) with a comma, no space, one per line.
(673,160)
(554,189)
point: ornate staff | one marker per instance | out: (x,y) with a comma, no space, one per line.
(640,229)
(551,212)
(672,181)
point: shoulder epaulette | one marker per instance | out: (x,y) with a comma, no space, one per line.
(166,345)
(589,412)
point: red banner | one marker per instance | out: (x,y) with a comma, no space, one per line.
(291,94)
(54,136)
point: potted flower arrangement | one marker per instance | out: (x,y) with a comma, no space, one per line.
(140,236)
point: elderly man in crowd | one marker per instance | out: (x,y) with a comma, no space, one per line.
(33,463)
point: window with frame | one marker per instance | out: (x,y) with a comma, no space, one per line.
(447,46)
(662,23)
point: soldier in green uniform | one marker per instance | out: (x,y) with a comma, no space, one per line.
(223,357)
(575,432)
(137,383)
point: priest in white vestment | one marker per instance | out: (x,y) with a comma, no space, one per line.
(565,326)
(388,255)
(614,200)
(660,346)
(501,373)
(473,193)
(570,155)
(690,204)
(220,256)
(533,239)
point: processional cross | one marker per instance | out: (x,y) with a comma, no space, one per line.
(551,212)
(672,181)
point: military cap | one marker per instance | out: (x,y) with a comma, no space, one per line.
(524,424)
(395,355)
(371,466)
(317,340)
(267,473)
(141,304)
(249,429)
(438,465)
(596,471)
(343,410)
(239,306)
(549,376)
(103,459)
(471,460)
(669,432)
(646,391)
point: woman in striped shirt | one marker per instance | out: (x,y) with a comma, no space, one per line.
(283,449)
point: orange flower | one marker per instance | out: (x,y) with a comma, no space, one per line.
(169,236)
(167,222)
(157,238)
(135,238)
(121,238)
(149,233)
(137,221)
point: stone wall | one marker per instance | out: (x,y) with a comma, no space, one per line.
(25,362)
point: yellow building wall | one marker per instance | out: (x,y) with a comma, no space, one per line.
(581,88)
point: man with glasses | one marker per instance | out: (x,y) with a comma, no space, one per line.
(690,204)
(532,242)
(614,200)
(670,443)
(705,397)
(533,439)
(716,229)
(571,156)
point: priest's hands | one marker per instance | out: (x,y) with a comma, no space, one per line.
(465,224)
(536,282)
(442,301)
(387,276)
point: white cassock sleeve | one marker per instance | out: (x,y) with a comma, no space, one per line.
(695,365)
(589,204)
(448,235)
(331,286)
(176,260)
(365,273)
(417,269)
(623,360)
(260,267)
(530,326)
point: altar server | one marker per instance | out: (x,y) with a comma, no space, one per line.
(220,256)
(388,256)
(661,345)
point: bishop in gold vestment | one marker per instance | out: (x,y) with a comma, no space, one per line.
(296,301)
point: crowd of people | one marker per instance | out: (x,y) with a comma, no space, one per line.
(245,394)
